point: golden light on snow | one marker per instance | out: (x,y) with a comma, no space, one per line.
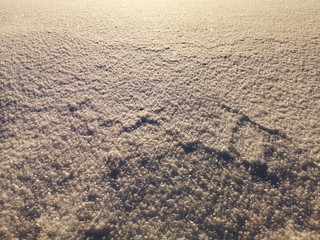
(159,119)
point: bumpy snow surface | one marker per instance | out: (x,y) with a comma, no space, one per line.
(158,119)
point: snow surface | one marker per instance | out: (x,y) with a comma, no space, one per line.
(159,119)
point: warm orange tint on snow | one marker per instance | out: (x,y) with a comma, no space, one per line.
(159,119)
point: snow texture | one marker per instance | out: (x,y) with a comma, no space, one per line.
(159,119)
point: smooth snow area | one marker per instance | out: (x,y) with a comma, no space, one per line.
(158,119)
